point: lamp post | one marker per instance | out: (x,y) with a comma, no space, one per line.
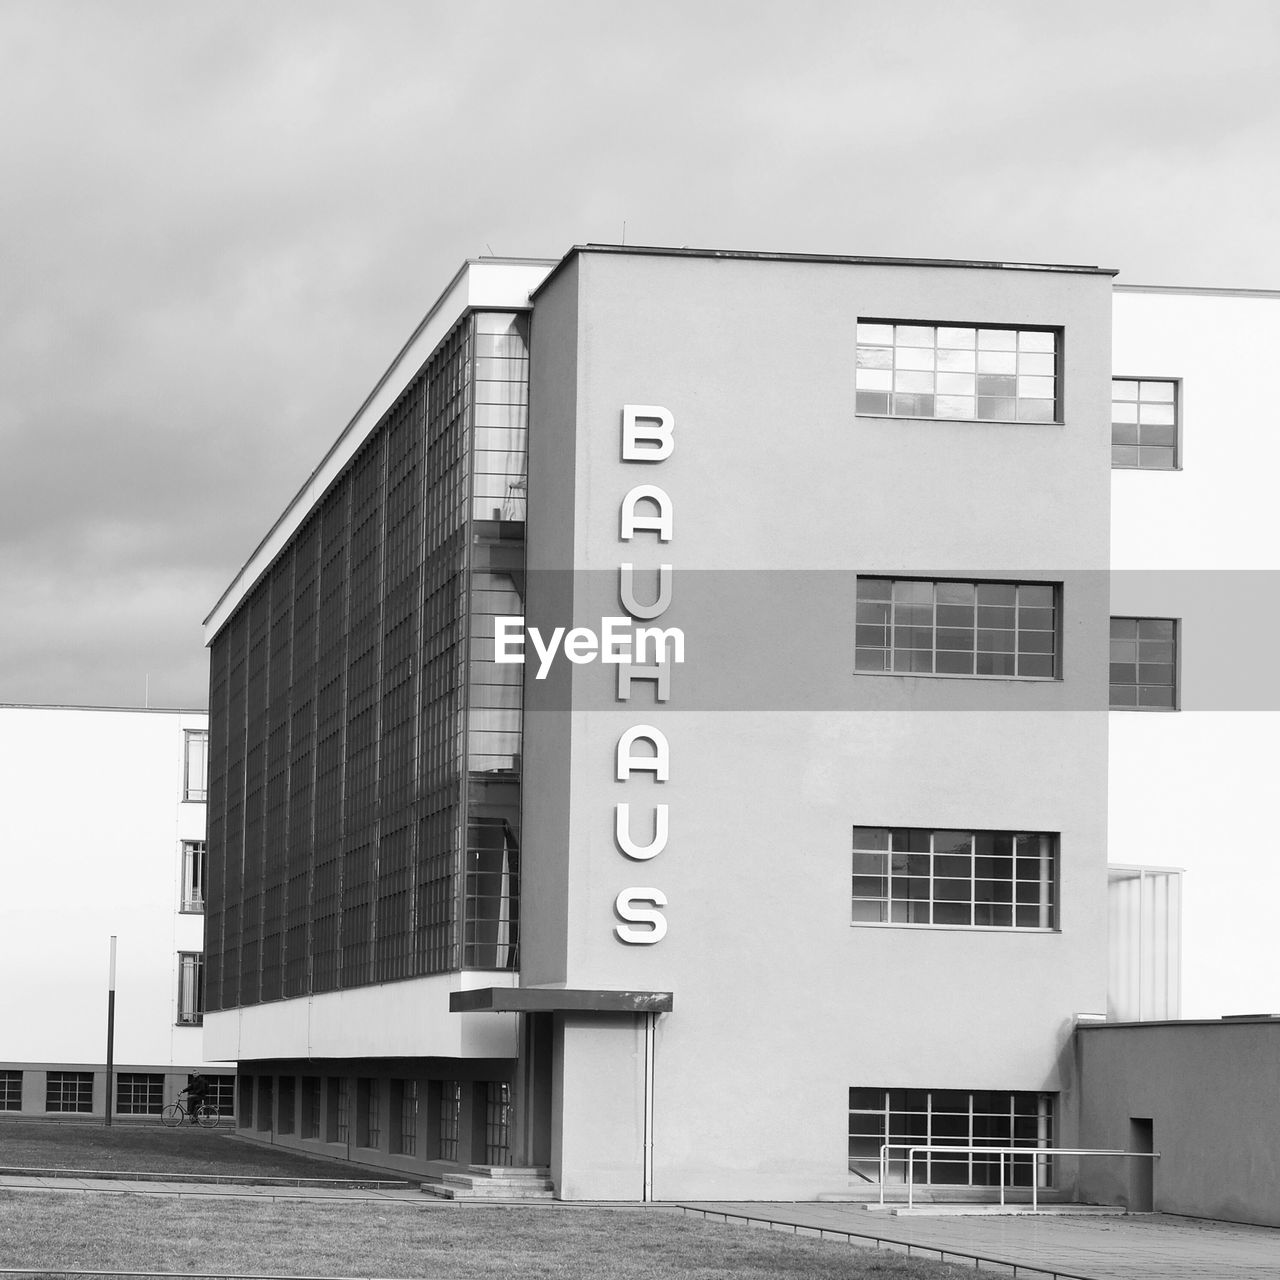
(111,1026)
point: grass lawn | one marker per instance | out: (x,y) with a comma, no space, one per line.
(84,1230)
(151,1148)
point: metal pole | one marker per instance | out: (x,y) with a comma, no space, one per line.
(649,1020)
(111,1028)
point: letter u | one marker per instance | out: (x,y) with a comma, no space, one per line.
(622,833)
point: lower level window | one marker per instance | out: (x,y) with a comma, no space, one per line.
(450,1116)
(936,1119)
(222,1095)
(914,875)
(139,1095)
(497,1122)
(69,1091)
(10,1090)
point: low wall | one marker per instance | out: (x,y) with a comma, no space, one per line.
(1206,1094)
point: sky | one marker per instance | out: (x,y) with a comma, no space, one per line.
(220,221)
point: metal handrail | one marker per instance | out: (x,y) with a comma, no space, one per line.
(1035,1153)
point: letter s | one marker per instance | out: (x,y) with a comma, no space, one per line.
(625,906)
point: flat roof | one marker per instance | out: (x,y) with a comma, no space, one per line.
(839,259)
(498,284)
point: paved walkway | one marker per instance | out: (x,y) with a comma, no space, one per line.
(1133,1247)
(1139,1247)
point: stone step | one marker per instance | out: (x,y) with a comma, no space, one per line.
(486,1182)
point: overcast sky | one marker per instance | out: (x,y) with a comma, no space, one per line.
(219,222)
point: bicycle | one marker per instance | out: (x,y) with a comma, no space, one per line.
(175,1113)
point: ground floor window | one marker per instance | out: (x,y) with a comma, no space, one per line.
(69,1091)
(368,1112)
(450,1115)
(497,1122)
(408,1097)
(941,1118)
(139,1095)
(10,1090)
(339,1109)
(286,1106)
(310,1106)
(222,1094)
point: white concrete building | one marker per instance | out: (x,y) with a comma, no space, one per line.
(102,833)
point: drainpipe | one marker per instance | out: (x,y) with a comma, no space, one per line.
(649,1020)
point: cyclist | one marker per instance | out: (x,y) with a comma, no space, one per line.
(198,1093)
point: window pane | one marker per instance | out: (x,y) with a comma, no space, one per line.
(1007,356)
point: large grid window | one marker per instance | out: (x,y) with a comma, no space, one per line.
(497,1122)
(190,988)
(68,1091)
(10,1090)
(911,875)
(139,1095)
(1144,423)
(408,1117)
(1144,666)
(962,372)
(193,875)
(919,627)
(938,1118)
(221,1095)
(195,766)
(450,1119)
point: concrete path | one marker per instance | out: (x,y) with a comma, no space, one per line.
(1133,1247)
(1136,1247)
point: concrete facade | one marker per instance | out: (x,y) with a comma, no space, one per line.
(781,497)
(96,814)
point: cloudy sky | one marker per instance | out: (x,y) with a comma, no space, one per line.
(219,221)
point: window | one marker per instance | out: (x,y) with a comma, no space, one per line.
(339,1109)
(938,1118)
(195,771)
(1144,663)
(287,1104)
(916,627)
(957,371)
(368,1112)
(190,988)
(221,1095)
(1144,423)
(911,875)
(450,1116)
(193,862)
(404,1108)
(139,1095)
(68,1091)
(10,1090)
(497,1122)
(310,1106)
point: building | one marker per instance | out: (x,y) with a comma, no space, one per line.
(103,835)
(789,836)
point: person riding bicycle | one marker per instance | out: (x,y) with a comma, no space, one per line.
(198,1092)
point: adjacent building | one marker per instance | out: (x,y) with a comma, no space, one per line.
(103,835)
(669,741)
